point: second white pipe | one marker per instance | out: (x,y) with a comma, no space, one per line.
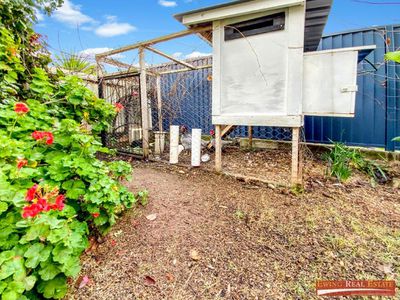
(173,144)
(196,147)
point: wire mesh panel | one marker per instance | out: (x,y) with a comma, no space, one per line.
(126,132)
(179,96)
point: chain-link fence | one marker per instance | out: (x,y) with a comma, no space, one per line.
(184,99)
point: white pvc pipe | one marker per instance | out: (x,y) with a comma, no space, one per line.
(159,142)
(196,147)
(173,144)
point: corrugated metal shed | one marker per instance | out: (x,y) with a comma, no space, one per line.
(317,12)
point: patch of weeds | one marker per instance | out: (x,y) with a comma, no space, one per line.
(311,223)
(385,240)
(303,287)
(342,160)
(240,214)
(297,190)
(338,243)
(143,197)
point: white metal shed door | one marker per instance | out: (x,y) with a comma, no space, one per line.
(330,83)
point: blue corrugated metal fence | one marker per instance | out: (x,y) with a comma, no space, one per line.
(378,100)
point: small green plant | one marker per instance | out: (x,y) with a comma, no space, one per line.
(297,189)
(143,197)
(342,160)
(240,214)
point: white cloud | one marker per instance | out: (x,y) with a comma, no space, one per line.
(71,14)
(110,18)
(177,54)
(90,53)
(113,29)
(197,54)
(39,15)
(167,3)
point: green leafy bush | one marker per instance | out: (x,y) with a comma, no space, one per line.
(54,192)
(342,160)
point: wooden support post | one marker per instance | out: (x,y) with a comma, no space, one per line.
(159,103)
(144,104)
(224,131)
(296,178)
(250,132)
(218,149)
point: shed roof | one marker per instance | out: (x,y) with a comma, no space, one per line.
(317,12)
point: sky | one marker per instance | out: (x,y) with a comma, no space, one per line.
(93,26)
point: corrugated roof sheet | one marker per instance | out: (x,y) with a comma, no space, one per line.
(317,12)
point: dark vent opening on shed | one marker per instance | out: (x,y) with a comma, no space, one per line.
(255,26)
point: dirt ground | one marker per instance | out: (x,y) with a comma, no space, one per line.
(217,238)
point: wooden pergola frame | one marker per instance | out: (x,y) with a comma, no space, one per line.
(143,71)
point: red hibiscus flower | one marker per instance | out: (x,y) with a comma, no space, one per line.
(96,215)
(212,132)
(118,107)
(21,108)
(43,135)
(31,211)
(39,199)
(43,204)
(59,203)
(31,193)
(21,163)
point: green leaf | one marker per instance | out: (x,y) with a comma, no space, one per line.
(13,267)
(34,250)
(393,56)
(16,286)
(55,288)
(57,235)
(48,270)
(71,267)
(3,286)
(35,232)
(76,241)
(7,269)
(3,207)
(35,254)
(10,295)
(19,268)
(61,253)
(74,188)
(6,255)
(51,220)
(101,220)
(29,282)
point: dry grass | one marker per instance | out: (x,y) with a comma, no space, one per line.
(253,242)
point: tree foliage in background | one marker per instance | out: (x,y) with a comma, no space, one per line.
(53,189)
(395,57)
(75,63)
